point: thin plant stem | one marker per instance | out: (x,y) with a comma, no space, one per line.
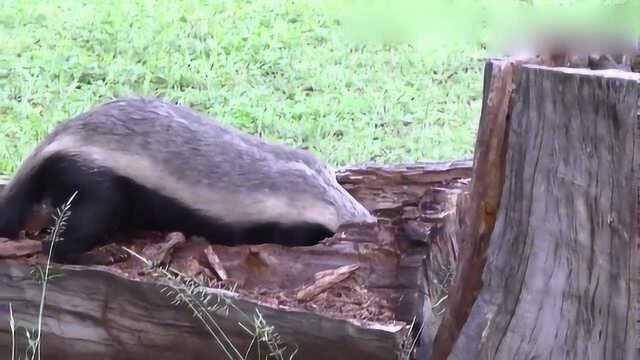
(12,325)
(55,235)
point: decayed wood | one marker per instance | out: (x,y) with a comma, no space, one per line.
(216,264)
(325,280)
(9,249)
(560,280)
(93,314)
(105,312)
(484,200)
(418,203)
(382,188)
(160,253)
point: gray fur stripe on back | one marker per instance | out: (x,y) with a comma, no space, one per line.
(264,205)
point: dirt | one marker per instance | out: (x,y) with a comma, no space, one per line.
(270,274)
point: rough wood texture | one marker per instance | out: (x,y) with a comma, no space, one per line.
(10,249)
(560,281)
(324,280)
(419,204)
(93,314)
(106,313)
(484,198)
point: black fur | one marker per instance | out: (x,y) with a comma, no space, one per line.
(106,205)
(149,164)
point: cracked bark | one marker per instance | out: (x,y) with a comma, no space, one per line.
(481,210)
(560,278)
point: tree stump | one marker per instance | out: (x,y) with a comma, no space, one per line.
(560,275)
(482,206)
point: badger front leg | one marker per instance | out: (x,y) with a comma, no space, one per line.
(92,218)
(95,211)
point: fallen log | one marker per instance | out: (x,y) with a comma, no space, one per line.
(118,311)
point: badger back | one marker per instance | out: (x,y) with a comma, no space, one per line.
(215,170)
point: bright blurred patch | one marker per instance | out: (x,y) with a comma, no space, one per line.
(438,23)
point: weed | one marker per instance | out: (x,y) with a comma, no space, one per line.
(207,304)
(34,336)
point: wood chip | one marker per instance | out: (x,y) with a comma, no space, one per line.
(216,264)
(19,248)
(194,269)
(161,253)
(324,280)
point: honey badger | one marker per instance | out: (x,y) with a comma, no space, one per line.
(144,163)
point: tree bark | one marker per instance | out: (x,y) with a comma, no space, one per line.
(479,215)
(560,280)
(117,312)
(91,313)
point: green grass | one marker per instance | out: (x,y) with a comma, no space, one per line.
(288,71)
(291,71)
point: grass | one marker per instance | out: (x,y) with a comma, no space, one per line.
(306,73)
(290,71)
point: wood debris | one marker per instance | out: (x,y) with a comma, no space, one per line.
(216,264)
(326,280)
(19,248)
(161,253)
(195,269)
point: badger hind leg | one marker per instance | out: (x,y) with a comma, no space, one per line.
(95,212)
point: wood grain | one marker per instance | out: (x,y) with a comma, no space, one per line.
(98,312)
(94,314)
(484,199)
(560,280)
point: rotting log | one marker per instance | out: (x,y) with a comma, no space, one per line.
(419,204)
(560,279)
(92,313)
(117,311)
